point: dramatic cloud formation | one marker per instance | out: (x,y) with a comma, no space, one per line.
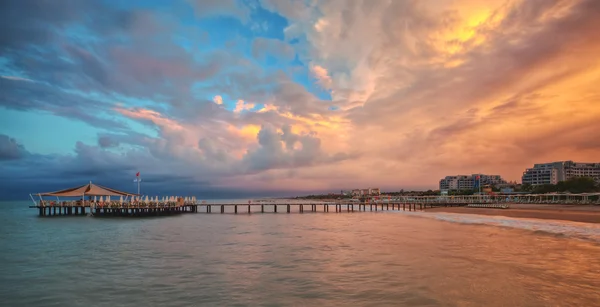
(285,97)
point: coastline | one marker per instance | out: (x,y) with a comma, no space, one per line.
(573,213)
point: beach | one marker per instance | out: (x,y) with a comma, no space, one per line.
(574,213)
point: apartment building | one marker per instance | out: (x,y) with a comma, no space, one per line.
(469,182)
(366,192)
(554,172)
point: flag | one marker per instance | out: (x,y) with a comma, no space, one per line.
(475,177)
(138,174)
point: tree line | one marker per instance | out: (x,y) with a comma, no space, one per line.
(574,185)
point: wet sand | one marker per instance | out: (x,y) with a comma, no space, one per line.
(575,213)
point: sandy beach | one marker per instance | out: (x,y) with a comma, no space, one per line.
(575,213)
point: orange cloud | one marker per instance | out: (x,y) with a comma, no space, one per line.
(218,99)
(322,76)
(241,105)
(493,88)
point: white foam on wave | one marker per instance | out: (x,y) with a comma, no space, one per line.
(586,231)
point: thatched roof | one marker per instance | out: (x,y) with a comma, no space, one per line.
(89,189)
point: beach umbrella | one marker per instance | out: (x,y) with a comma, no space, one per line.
(146,200)
(108,199)
(95,199)
(121,200)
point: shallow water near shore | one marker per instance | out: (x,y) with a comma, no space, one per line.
(567,229)
(327,259)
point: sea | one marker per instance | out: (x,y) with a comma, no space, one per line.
(379,258)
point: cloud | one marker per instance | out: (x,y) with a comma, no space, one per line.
(10,149)
(286,150)
(107,142)
(218,99)
(415,91)
(14,78)
(434,99)
(241,105)
(263,47)
(221,7)
(321,75)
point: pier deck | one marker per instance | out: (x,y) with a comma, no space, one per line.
(403,203)
(78,209)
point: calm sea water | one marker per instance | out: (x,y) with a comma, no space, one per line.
(347,259)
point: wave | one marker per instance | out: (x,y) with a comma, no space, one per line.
(555,228)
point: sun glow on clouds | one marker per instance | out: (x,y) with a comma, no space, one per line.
(321,75)
(419,90)
(241,105)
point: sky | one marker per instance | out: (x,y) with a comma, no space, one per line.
(232,98)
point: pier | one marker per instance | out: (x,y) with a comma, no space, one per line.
(77,209)
(178,205)
(135,206)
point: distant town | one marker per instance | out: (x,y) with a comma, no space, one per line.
(553,177)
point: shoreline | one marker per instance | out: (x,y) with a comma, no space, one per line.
(572,213)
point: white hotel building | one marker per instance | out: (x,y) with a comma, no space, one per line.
(469,182)
(366,192)
(554,172)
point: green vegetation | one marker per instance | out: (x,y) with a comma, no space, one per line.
(573,185)
(463,192)
(413,193)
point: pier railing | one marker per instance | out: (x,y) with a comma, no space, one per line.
(591,198)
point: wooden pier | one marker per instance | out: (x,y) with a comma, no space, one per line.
(324,207)
(160,209)
(175,206)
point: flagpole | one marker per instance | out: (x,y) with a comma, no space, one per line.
(137,178)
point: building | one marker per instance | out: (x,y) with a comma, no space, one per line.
(554,172)
(469,182)
(366,192)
